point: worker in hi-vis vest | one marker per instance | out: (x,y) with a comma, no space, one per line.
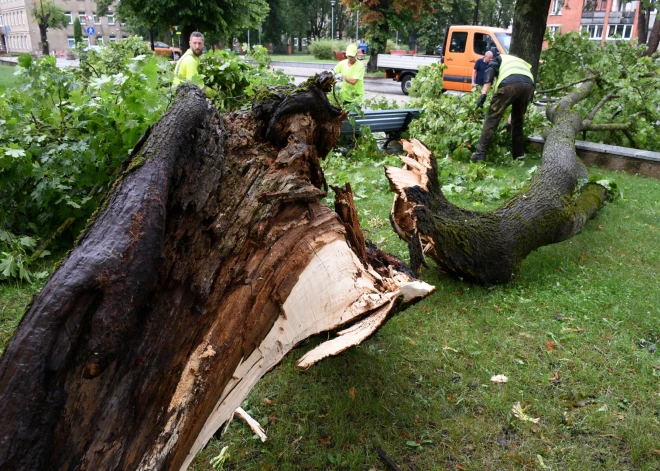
(514,86)
(188,64)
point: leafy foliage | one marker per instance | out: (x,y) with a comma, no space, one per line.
(222,17)
(65,132)
(77,31)
(233,81)
(324,49)
(450,125)
(634,79)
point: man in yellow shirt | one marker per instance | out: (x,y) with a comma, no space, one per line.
(352,73)
(187,66)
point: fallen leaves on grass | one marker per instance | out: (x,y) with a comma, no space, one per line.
(519,413)
(499,379)
(556,377)
(549,345)
(351,392)
(325,441)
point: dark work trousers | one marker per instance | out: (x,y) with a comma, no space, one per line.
(517,94)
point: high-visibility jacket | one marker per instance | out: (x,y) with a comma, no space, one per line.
(186,67)
(513,65)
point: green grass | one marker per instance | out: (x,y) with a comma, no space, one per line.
(575,333)
(7,78)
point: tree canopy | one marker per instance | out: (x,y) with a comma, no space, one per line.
(222,17)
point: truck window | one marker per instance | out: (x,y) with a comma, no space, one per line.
(482,43)
(458,42)
(505,40)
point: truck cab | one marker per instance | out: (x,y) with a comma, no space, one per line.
(463,46)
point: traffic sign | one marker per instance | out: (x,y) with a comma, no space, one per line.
(90,30)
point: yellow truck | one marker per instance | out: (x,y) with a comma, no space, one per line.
(462,46)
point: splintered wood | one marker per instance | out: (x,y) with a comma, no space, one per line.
(315,306)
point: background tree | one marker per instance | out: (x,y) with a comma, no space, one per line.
(222,17)
(382,16)
(77,31)
(529,23)
(431,28)
(48,15)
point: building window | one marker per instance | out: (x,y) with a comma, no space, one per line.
(113,39)
(551,30)
(1,23)
(621,31)
(556,7)
(595,31)
(69,17)
(82,17)
(594,5)
(71,40)
(97,20)
(111,18)
(99,41)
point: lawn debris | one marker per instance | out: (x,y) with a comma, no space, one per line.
(519,412)
(499,379)
(254,425)
(391,465)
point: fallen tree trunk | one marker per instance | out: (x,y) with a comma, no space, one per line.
(489,247)
(209,259)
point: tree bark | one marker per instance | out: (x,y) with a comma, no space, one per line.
(654,39)
(210,258)
(43,31)
(488,248)
(529,23)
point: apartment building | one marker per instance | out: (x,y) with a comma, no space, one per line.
(604,20)
(20,32)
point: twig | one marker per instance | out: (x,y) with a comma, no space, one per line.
(600,104)
(387,460)
(607,127)
(59,231)
(565,86)
(254,425)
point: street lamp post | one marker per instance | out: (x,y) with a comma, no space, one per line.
(332,4)
(357,23)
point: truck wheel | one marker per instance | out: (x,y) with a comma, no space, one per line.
(406,83)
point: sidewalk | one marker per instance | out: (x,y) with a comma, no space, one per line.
(307,69)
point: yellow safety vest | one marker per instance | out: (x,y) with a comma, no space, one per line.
(513,65)
(186,67)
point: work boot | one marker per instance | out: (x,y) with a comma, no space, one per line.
(476,157)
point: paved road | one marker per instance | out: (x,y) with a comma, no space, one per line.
(373,88)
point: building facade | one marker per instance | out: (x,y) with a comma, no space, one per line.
(21,32)
(603,20)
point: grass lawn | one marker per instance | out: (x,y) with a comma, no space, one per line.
(576,334)
(7,79)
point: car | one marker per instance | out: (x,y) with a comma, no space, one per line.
(166,50)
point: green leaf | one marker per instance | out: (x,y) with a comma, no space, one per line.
(15,153)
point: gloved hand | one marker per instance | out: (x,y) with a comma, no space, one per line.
(338,77)
(480,101)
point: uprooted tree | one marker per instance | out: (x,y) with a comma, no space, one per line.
(489,247)
(210,258)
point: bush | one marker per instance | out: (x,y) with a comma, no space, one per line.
(391,45)
(324,48)
(64,134)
